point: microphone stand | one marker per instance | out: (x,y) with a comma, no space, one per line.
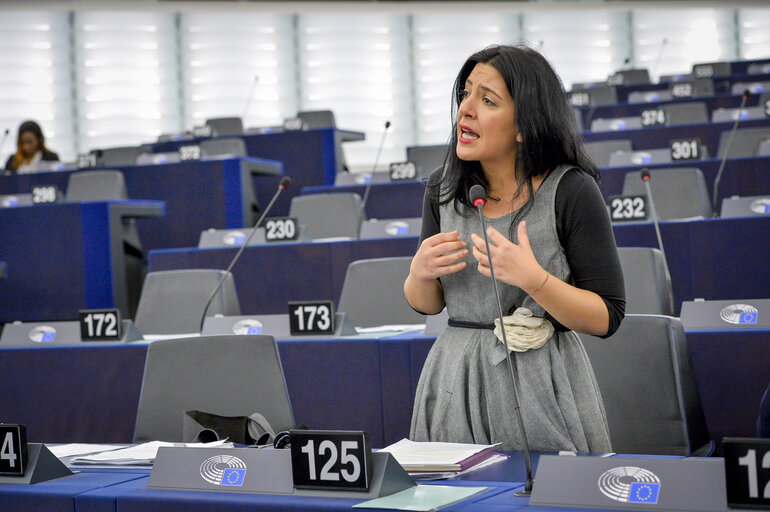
(479,204)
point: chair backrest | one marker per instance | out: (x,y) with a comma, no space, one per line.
(328,215)
(745,142)
(602,95)
(648,387)
(686,113)
(700,88)
(643,157)
(225,126)
(678,193)
(312,119)
(223,375)
(113,157)
(427,158)
(647,281)
(373,293)
(172,301)
(630,77)
(226,146)
(96,186)
(711,69)
(600,151)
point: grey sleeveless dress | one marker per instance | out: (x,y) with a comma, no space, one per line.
(465,392)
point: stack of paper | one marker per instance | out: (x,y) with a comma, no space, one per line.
(417,457)
(139,455)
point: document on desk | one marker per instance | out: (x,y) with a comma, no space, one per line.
(73,449)
(391,328)
(434,457)
(423,498)
(140,455)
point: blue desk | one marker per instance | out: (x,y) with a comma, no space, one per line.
(309,158)
(721,85)
(386,200)
(91,393)
(224,186)
(741,176)
(699,256)
(589,113)
(62,257)
(268,276)
(661,137)
(63,494)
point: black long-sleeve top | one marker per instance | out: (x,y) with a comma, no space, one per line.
(585,231)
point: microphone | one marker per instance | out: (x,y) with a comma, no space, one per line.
(663,45)
(478,197)
(645,174)
(626,63)
(374,169)
(251,95)
(2,140)
(283,185)
(718,178)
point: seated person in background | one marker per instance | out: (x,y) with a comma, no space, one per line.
(30,150)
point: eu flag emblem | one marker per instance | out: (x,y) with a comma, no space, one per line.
(643,492)
(254,329)
(48,337)
(233,476)
(748,318)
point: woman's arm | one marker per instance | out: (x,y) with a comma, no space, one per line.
(595,303)
(422,287)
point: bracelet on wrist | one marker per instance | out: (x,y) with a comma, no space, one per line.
(547,275)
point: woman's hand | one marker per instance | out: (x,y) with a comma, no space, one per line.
(438,256)
(515,264)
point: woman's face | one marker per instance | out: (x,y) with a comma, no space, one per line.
(486,129)
(29,144)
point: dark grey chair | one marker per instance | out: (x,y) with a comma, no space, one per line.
(602,95)
(114,157)
(427,158)
(678,193)
(600,151)
(649,388)
(647,281)
(315,119)
(373,293)
(223,375)
(711,69)
(328,215)
(111,186)
(172,301)
(630,77)
(686,113)
(223,146)
(318,119)
(96,186)
(745,142)
(225,126)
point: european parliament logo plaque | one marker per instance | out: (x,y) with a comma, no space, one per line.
(696,484)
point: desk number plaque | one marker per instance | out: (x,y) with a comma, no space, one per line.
(331,459)
(13,450)
(747,472)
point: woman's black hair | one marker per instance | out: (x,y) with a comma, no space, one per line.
(544,118)
(28,127)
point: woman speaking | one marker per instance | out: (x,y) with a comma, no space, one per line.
(553,251)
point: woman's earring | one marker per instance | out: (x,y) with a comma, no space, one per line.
(519,138)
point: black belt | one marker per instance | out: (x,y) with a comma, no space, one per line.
(469,325)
